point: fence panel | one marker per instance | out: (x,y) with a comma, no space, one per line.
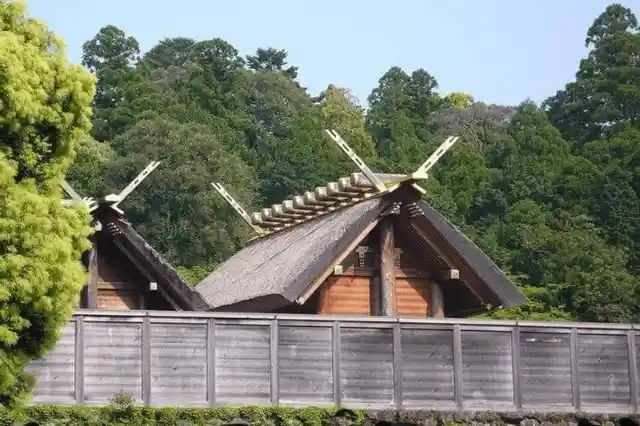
(545,368)
(242,364)
(112,360)
(178,364)
(603,365)
(427,368)
(487,369)
(366,365)
(56,371)
(200,360)
(305,364)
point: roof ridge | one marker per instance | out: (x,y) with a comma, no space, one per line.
(323,200)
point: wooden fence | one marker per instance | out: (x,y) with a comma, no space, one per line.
(200,359)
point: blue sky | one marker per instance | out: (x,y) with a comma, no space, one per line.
(501,51)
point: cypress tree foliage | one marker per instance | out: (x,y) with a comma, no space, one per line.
(44,109)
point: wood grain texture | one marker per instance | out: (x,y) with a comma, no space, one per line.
(118,300)
(112,361)
(242,364)
(427,367)
(387,268)
(350,295)
(436,299)
(178,364)
(545,368)
(55,372)
(487,373)
(119,286)
(305,365)
(603,362)
(366,365)
(353,361)
(412,296)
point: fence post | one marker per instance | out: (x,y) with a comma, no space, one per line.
(515,359)
(79,360)
(146,360)
(335,352)
(457,366)
(633,370)
(575,371)
(397,365)
(211,362)
(273,344)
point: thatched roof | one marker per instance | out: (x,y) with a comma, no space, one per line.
(283,264)
(145,257)
(487,285)
(306,236)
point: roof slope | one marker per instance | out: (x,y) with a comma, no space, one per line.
(506,293)
(306,234)
(285,262)
(123,232)
(179,289)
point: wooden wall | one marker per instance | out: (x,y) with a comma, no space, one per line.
(206,359)
(120,285)
(354,289)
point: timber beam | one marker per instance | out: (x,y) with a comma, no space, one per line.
(387,268)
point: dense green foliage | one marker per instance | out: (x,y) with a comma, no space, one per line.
(123,412)
(45,107)
(551,192)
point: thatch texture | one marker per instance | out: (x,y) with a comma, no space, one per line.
(286,262)
(275,270)
(160,267)
(506,293)
(120,231)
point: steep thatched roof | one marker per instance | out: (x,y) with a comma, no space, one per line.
(284,263)
(308,234)
(486,285)
(146,258)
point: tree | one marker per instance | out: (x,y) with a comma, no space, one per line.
(479,124)
(111,55)
(458,100)
(340,111)
(169,52)
(112,48)
(178,210)
(535,209)
(606,93)
(271,59)
(600,113)
(45,109)
(399,117)
(616,200)
(90,165)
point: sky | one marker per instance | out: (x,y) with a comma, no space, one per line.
(500,51)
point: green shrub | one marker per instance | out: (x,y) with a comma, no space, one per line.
(125,413)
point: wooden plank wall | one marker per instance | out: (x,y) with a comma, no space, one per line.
(201,359)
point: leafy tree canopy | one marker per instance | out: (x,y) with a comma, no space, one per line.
(44,110)
(551,192)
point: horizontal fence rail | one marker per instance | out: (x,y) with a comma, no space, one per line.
(206,359)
